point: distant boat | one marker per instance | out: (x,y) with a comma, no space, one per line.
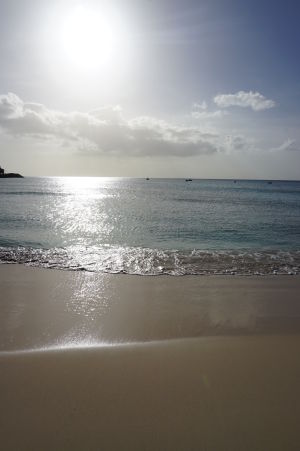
(269,182)
(147,178)
(188,180)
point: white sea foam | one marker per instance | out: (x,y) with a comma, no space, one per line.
(145,261)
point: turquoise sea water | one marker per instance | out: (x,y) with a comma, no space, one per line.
(157,226)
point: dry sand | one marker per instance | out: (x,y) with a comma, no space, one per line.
(233,386)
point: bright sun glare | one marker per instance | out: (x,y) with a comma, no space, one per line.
(88,38)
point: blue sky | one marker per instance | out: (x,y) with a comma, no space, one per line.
(158,88)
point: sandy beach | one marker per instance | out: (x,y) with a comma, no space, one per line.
(41,309)
(114,362)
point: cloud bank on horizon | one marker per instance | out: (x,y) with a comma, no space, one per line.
(105,129)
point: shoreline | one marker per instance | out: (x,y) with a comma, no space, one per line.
(229,274)
(154,262)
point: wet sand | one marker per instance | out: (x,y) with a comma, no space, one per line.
(220,370)
(44,308)
(232,393)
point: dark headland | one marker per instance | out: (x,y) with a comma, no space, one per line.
(9,175)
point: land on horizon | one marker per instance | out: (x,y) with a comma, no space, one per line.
(9,175)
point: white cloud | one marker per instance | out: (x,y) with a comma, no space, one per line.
(243,99)
(200,111)
(238,143)
(104,130)
(200,106)
(10,106)
(288,145)
(209,114)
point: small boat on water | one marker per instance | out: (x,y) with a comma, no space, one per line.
(188,180)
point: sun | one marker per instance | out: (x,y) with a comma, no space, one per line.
(88,39)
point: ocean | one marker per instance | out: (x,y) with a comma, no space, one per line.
(151,227)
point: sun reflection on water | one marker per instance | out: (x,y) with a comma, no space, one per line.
(79,213)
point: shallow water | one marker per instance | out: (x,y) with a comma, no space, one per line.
(159,226)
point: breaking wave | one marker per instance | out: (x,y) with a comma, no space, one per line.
(146,261)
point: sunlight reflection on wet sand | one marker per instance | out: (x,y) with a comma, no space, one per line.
(44,308)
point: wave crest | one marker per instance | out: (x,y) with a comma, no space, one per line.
(145,261)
